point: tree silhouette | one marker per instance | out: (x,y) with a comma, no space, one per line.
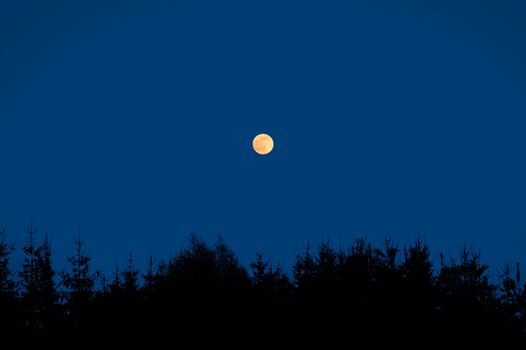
(39,295)
(29,278)
(361,294)
(46,283)
(149,277)
(116,285)
(9,322)
(304,271)
(78,281)
(7,285)
(467,299)
(510,287)
(416,289)
(130,278)
(271,286)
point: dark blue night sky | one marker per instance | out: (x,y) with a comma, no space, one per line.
(389,118)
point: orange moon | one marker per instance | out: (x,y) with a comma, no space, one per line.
(263,144)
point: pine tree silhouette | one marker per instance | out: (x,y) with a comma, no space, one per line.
(130,278)
(39,295)
(7,285)
(362,295)
(149,277)
(9,320)
(78,281)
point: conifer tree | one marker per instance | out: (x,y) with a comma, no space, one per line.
(39,295)
(78,279)
(8,303)
(7,285)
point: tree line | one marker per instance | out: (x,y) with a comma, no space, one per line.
(360,294)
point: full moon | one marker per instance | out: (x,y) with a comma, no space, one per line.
(263,144)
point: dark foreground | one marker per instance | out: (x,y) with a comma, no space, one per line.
(335,297)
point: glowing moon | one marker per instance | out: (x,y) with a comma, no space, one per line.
(263,144)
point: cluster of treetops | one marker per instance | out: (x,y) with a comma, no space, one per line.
(360,294)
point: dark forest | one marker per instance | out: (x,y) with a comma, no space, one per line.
(361,294)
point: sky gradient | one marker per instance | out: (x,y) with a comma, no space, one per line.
(137,120)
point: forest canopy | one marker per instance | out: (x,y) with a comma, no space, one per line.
(360,294)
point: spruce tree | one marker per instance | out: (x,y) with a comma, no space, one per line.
(38,292)
(8,303)
(78,279)
(7,285)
